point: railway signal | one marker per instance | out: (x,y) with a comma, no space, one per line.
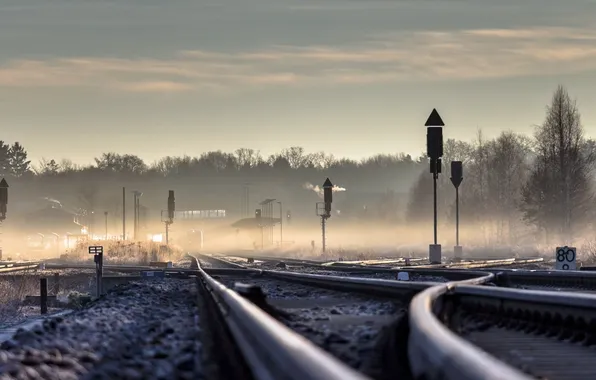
(456,179)
(434,150)
(324,208)
(258,216)
(3,204)
(565,258)
(3,198)
(169,219)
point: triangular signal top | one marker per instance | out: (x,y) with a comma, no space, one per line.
(434,120)
(327,183)
(3,183)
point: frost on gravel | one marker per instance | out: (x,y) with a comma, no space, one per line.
(142,330)
(328,320)
(205,264)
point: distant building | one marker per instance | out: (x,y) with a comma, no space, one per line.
(51,220)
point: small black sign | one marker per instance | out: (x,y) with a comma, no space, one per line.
(96,250)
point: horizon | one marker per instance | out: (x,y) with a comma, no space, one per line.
(35,161)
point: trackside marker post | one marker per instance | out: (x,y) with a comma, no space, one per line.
(97,252)
(565,258)
(43,295)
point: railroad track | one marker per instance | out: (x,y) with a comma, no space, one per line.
(399,263)
(360,321)
(570,281)
(576,281)
(503,334)
(217,324)
(416,273)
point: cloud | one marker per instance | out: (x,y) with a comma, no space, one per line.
(386,58)
(156,86)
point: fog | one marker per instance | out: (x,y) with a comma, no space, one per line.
(521,195)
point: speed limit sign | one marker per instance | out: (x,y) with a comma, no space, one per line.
(565,258)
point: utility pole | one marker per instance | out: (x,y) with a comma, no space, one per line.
(124,213)
(134,215)
(281,225)
(136,200)
(258,217)
(105,213)
(245,205)
(170,219)
(324,209)
(434,147)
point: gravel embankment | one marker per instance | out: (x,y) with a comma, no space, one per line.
(344,324)
(142,330)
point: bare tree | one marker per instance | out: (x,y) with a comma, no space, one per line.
(507,170)
(557,197)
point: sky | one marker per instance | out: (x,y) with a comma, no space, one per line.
(350,77)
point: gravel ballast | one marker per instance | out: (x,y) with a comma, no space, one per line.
(344,324)
(142,330)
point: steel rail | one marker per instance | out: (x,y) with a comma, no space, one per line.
(19,268)
(564,279)
(271,350)
(377,287)
(457,274)
(436,353)
(559,324)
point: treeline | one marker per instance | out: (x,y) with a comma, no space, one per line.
(220,163)
(514,186)
(512,182)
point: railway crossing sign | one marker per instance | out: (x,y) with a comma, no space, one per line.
(565,258)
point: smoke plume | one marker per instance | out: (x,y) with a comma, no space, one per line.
(319,190)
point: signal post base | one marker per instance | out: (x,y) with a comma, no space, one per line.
(434,253)
(458,252)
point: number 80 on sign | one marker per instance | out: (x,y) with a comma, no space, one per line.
(565,258)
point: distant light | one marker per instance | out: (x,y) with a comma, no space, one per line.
(84,231)
(157,238)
